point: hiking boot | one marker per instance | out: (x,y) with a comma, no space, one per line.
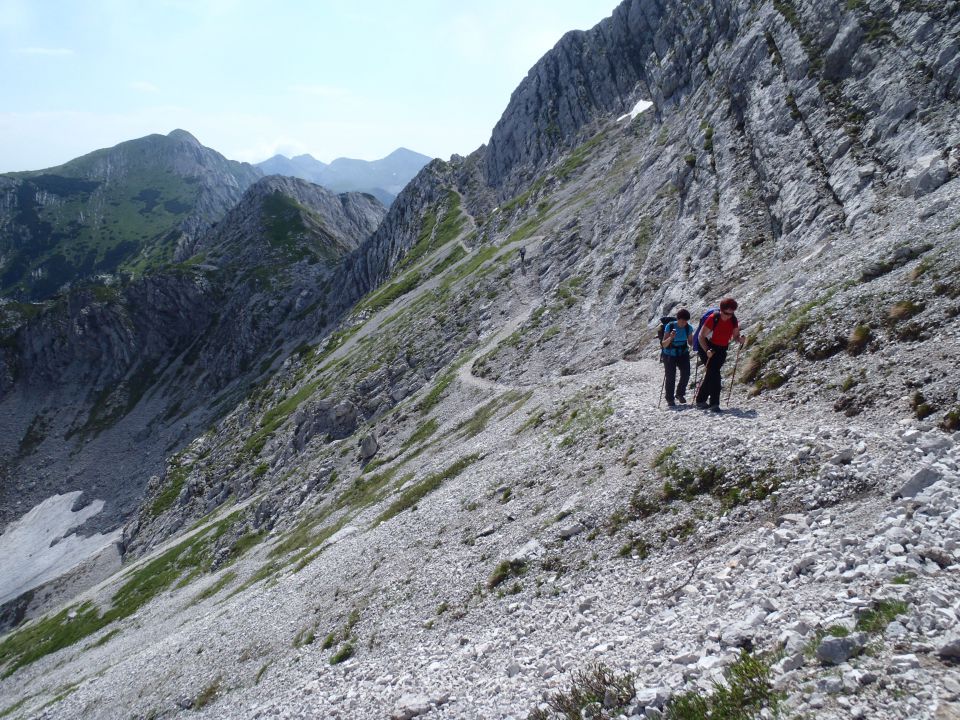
(671,403)
(681,399)
(715,408)
(702,406)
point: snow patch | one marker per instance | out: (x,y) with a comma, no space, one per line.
(640,107)
(37,548)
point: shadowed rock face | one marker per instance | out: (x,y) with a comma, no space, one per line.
(108,373)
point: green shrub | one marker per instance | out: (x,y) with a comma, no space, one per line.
(746,692)
(506,570)
(951,421)
(636,546)
(606,693)
(903,310)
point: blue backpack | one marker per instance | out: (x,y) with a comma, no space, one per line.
(713,314)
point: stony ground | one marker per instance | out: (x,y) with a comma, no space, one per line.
(670,598)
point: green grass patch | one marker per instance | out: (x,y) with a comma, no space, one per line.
(478,421)
(208,694)
(746,692)
(414,494)
(578,157)
(880,614)
(789,335)
(421,434)
(11,709)
(505,570)
(453,257)
(534,420)
(54,633)
(345,652)
(431,399)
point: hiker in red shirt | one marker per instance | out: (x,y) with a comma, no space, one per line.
(715,335)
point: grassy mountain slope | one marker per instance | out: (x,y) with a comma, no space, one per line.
(116,210)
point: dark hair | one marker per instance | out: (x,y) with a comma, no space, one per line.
(683,314)
(728,304)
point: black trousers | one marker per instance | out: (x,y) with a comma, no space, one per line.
(710,387)
(670,365)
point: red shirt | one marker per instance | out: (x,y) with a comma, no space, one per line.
(723,331)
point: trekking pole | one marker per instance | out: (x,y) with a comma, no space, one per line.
(733,378)
(696,372)
(663,386)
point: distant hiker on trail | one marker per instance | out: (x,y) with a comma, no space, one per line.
(523,254)
(717,328)
(675,353)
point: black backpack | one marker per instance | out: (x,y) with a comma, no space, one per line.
(664,321)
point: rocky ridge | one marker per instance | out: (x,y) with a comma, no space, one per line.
(110,368)
(466,495)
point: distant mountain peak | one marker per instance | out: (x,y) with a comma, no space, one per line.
(382,178)
(183,135)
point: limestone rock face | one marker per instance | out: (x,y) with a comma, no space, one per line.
(769,69)
(138,363)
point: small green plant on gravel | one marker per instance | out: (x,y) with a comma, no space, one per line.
(478,422)
(344,653)
(859,338)
(880,614)
(635,547)
(10,710)
(661,457)
(597,690)
(921,408)
(903,310)
(534,420)
(951,421)
(227,578)
(208,694)
(260,673)
(506,570)
(745,693)
(903,578)
(421,433)
(305,636)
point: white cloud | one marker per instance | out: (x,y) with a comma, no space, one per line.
(42,51)
(144,86)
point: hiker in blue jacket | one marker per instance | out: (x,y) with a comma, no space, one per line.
(675,352)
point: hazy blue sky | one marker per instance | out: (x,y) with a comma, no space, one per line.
(253,78)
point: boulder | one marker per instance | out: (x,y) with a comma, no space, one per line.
(927,174)
(917,481)
(368,447)
(837,650)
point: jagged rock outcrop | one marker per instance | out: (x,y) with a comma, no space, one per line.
(832,73)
